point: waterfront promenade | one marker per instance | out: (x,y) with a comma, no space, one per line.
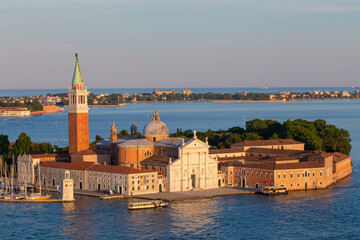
(195,194)
(167,196)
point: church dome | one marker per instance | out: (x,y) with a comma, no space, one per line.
(156,128)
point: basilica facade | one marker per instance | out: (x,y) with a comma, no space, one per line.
(182,164)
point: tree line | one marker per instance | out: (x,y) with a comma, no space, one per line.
(33,105)
(317,135)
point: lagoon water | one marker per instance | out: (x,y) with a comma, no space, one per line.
(333,213)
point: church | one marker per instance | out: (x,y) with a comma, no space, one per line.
(181,164)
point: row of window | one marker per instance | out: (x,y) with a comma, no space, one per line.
(304,174)
(257,174)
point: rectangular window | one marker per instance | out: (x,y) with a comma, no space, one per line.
(284,175)
(271,175)
(320,174)
(266,175)
(313,174)
(279,175)
(291,175)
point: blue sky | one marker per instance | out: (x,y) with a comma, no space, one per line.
(180,43)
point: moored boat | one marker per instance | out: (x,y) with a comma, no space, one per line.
(37,196)
(274,190)
(145,205)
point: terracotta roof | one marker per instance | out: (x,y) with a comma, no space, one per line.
(338,157)
(299,165)
(157,160)
(93,167)
(273,151)
(117,169)
(89,152)
(44,155)
(72,166)
(225,150)
(279,159)
(267,142)
(242,158)
(316,155)
(273,166)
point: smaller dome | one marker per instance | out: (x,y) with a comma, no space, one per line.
(156,128)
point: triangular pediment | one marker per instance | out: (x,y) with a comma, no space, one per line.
(195,143)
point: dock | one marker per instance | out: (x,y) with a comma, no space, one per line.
(89,193)
(167,196)
(195,194)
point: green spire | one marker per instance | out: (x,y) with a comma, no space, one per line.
(77,78)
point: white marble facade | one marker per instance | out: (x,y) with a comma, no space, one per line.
(193,169)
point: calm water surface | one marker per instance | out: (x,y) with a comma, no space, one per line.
(324,214)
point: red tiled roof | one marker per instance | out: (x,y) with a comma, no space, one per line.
(243,158)
(89,166)
(273,151)
(89,152)
(267,142)
(225,150)
(72,166)
(273,166)
(338,157)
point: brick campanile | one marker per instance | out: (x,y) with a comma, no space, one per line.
(78,113)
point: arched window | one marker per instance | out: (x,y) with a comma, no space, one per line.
(147,153)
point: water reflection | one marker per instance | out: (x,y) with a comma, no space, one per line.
(77,219)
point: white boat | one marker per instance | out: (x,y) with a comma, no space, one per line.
(145,205)
(274,190)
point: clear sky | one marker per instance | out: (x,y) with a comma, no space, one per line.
(180,43)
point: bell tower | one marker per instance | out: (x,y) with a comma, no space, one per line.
(113,132)
(78,113)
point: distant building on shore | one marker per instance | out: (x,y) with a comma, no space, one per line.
(14,112)
(161,92)
(186,92)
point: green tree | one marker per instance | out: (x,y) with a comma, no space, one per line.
(123,133)
(4,145)
(61,149)
(42,148)
(98,138)
(22,144)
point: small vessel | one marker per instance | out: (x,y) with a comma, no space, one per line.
(274,190)
(263,88)
(37,196)
(145,205)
